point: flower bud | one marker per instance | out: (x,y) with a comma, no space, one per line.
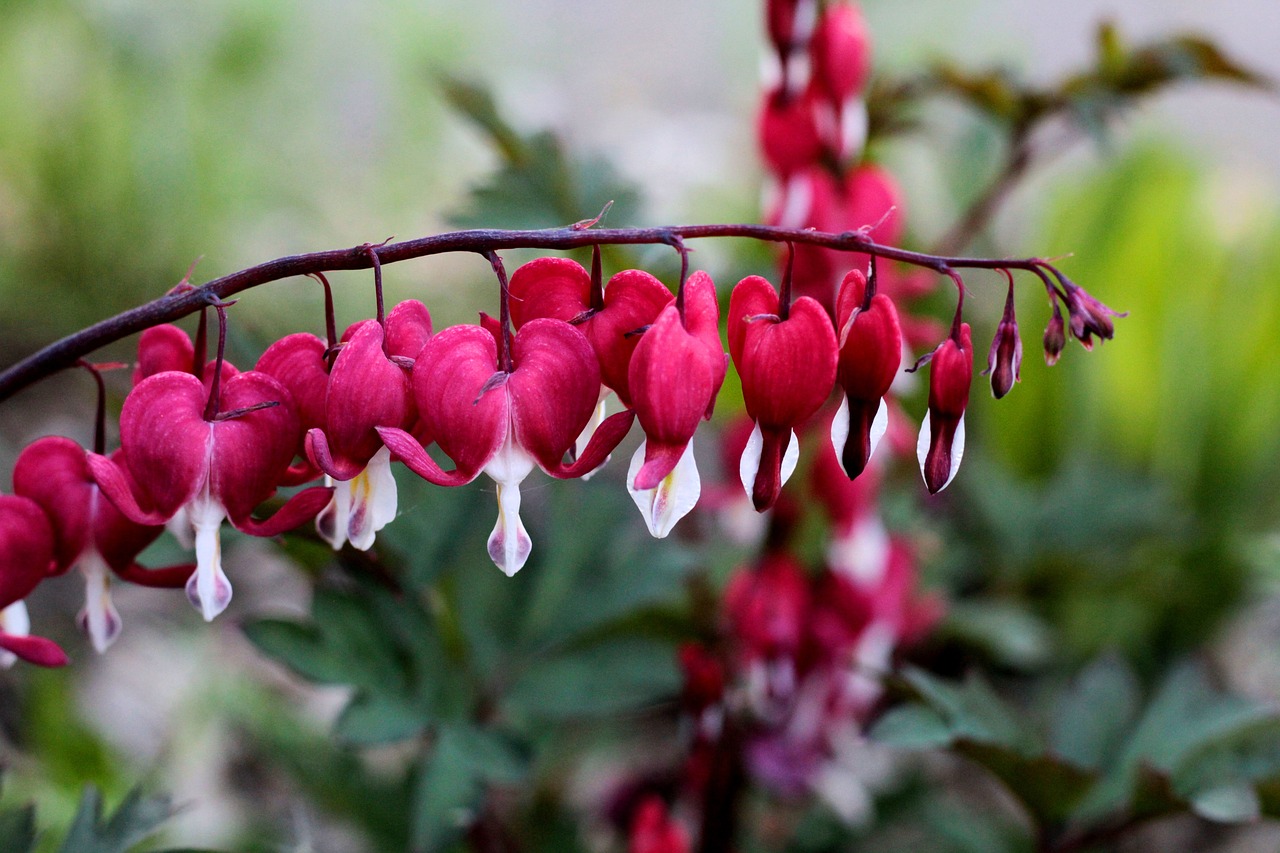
(788,129)
(1055,337)
(1004,361)
(841,52)
(941,443)
(1089,317)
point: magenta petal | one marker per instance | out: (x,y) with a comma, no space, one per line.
(449,377)
(36,650)
(632,300)
(558,288)
(366,390)
(119,489)
(26,547)
(407,449)
(606,437)
(768,483)
(702,319)
(788,367)
(162,348)
(252,451)
(319,455)
(298,362)
(301,508)
(299,473)
(54,473)
(554,389)
(166,440)
(408,328)
(169,577)
(673,380)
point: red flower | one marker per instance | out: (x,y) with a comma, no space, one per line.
(788,367)
(26,558)
(90,534)
(206,468)
(870,342)
(503,421)
(941,444)
(675,374)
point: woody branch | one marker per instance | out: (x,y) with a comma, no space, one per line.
(183,301)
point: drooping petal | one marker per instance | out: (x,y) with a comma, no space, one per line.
(672,498)
(209,589)
(553,389)
(607,437)
(166,442)
(584,438)
(99,617)
(939,450)
(252,451)
(366,390)
(36,650)
(468,422)
(14,622)
(767,462)
(26,548)
(673,382)
(509,543)
(298,510)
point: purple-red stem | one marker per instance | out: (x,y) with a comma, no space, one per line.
(65,352)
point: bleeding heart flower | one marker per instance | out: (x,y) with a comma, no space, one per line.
(505,419)
(167,347)
(90,534)
(788,367)
(178,459)
(941,444)
(26,558)
(675,374)
(870,341)
(367,388)
(654,831)
(789,130)
(561,289)
(841,50)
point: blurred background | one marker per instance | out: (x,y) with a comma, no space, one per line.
(1124,501)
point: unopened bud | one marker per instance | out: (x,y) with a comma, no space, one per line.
(841,52)
(1055,337)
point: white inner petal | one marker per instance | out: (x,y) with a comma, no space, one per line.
(332,521)
(372,500)
(879,426)
(99,618)
(179,528)
(672,499)
(597,418)
(840,427)
(790,458)
(749,464)
(15,622)
(957,448)
(854,122)
(209,590)
(509,543)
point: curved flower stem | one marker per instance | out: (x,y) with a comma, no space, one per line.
(65,352)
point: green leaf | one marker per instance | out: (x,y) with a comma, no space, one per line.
(608,677)
(1092,719)
(452,779)
(372,718)
(137,818)
(1006,632)
(912,727)
(18,829)
(973,711)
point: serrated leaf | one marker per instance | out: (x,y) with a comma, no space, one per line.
(452,779)
(137,818)
(1093,717)
(607,677)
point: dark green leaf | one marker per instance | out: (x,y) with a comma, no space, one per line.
(1006,632)
(372,718)
(18,829)
(912,727)
(1093,717)
(608,677)
(452,779)
(135,819)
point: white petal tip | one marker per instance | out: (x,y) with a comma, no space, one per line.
(672,499)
